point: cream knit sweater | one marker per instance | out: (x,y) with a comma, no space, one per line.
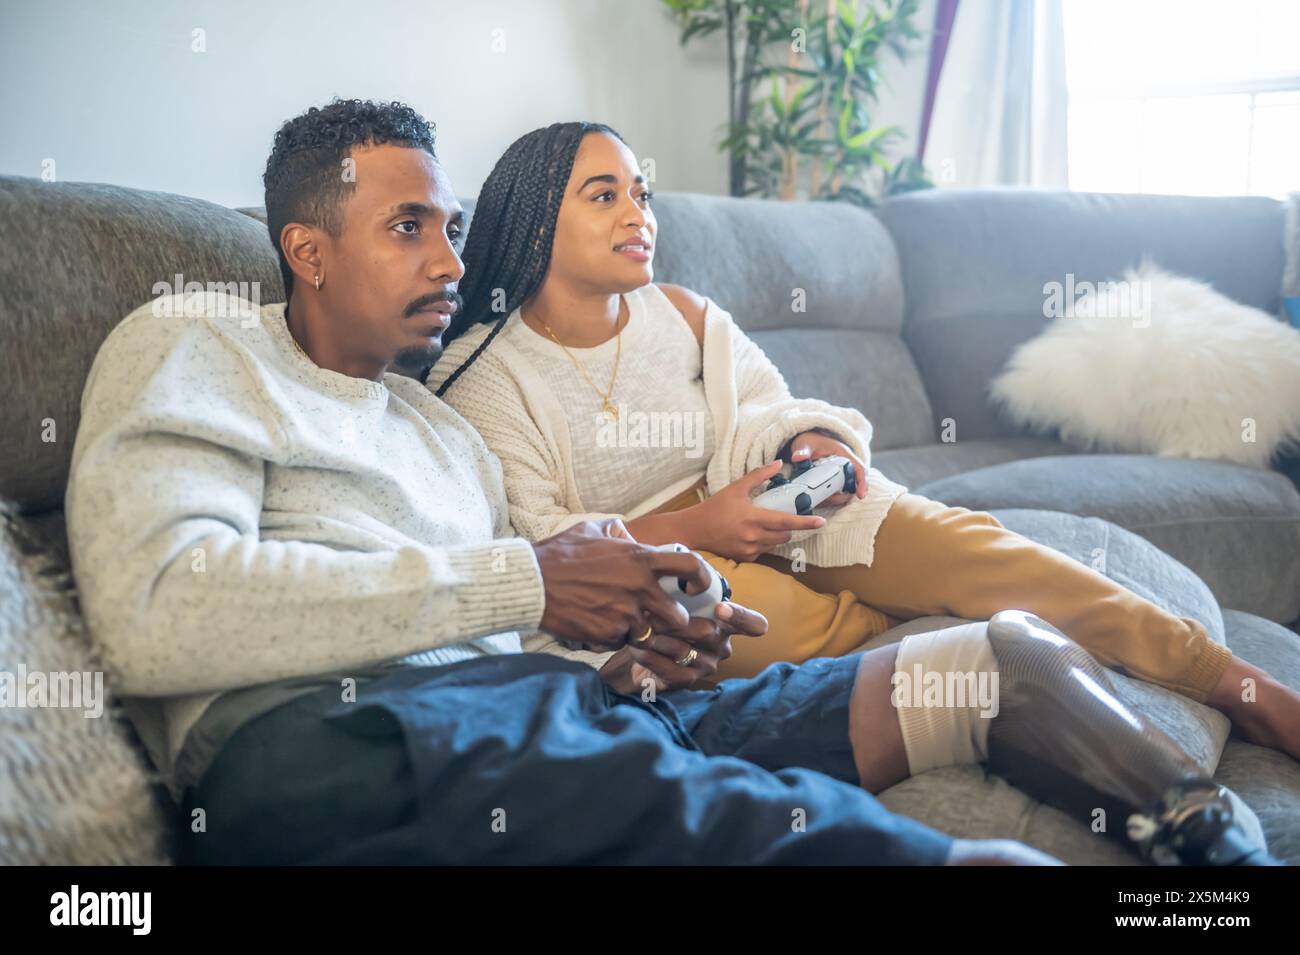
(516,411)
(239,516)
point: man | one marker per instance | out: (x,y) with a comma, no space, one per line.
(300,568)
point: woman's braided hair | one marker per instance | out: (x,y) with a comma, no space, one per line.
(508,250)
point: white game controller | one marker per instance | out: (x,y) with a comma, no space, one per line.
(697,605)
(811,483)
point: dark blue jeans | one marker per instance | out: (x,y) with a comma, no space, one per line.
(532,759)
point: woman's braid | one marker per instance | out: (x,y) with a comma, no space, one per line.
(508,250)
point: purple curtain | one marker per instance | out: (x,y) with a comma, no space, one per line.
(943,17)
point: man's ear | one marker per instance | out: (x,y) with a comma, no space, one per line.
(302,251)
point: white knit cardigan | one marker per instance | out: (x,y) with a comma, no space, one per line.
(504,396)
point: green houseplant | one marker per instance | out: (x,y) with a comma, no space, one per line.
(803,76)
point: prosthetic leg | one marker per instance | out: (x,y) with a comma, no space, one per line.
(1063,736)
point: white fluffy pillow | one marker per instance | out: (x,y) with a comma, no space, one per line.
(1184,375)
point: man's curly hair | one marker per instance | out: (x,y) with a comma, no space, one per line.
(304,178)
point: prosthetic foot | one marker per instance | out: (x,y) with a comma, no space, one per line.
(1063,736)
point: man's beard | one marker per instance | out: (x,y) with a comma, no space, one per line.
(416,360)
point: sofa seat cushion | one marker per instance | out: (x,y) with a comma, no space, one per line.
(1237,528)
(968,802)
(1269,782)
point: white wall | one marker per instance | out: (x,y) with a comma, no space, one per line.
(114,92)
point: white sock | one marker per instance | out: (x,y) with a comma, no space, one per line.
(945,718)
(1249,821)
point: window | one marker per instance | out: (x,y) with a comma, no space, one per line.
(1196,97)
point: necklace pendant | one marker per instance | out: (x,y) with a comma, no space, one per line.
(605,405)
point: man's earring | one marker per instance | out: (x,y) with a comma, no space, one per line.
(318,281)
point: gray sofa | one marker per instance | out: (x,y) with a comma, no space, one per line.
(908,314)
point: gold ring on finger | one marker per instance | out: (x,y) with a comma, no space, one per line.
(688,659)
(645,636)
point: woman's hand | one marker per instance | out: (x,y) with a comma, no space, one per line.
(655,661)
(1270,717)
(813,445)
(729,524)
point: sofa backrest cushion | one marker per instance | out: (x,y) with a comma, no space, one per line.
(975,263)
(817,286)
(75,259)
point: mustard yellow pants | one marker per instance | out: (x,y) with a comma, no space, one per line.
(931,559)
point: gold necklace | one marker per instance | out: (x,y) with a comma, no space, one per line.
(605,404)
(302,351)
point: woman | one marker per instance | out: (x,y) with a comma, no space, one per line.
(563,333)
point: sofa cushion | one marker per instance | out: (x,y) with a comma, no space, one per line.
(1269,782)
(855,368)
(75,259)
(816,285)
(1238,528)
(77,787)
(968,802)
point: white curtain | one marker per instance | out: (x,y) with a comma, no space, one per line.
(1000,107)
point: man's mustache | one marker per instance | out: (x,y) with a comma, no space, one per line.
(433,298)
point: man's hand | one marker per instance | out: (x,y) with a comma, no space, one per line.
(655,661)
(817,444)
(602,587)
